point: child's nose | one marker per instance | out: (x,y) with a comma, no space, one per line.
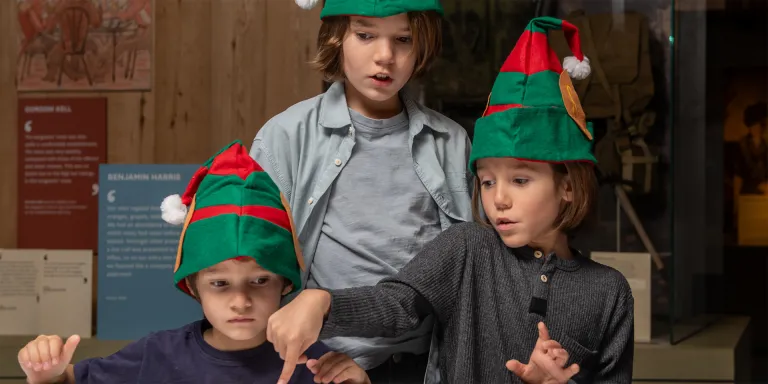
(384,52)
(501,199)
(241,301)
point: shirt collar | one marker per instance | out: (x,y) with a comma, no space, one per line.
(563,264)
(334,113)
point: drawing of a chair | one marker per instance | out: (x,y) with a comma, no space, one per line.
(74,23)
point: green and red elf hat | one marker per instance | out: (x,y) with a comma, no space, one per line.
(372,8)
(232,209)
(533,111)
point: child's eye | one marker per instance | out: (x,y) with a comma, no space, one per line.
(364,36)
(261,280)
(219,283)
(488,183)
(519,180)
(405,39)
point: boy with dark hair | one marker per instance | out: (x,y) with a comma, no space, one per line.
(237,256)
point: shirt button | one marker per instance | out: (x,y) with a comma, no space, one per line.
(538,254)
(310,201)
(337,162)
(543,278)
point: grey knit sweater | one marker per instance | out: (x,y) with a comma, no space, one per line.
(487,300)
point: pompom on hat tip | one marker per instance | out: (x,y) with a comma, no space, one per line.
(173,210)
(307,4)
(577,69)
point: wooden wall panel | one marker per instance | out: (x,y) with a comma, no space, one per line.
(8,132)
(221,69)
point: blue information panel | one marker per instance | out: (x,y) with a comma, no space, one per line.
(137,252)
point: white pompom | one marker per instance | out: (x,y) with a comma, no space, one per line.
(578,70)
(173,210)
(307,4)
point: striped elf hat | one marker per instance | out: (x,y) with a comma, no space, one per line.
(533,112)
(371,8)
(232,209)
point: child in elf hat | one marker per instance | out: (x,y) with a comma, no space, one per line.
(492,283)
(370,173)
(237,257)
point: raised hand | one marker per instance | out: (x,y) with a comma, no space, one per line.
(295,327)
(45,359)
(547,362)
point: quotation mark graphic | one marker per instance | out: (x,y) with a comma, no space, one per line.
(28,126)
(94,190)
(111,196)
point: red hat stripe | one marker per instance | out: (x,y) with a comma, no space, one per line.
(574,42)
(273,215)
(498,108)
(235,161)
(532,54)
(193,184)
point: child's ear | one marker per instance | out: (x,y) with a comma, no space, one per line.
(189,287)
(566,188)
(287,288)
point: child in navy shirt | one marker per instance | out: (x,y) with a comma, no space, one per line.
(238,256)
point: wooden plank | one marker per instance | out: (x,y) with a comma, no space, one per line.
(290,79)
(238,72)
(130,135)
(8,129)
(182,81)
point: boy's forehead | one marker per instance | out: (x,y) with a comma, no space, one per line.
(507,163)
(231,264)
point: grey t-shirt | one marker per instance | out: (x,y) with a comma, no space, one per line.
(379,216)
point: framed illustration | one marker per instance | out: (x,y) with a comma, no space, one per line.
(84,45)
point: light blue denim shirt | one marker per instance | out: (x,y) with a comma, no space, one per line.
(305,148)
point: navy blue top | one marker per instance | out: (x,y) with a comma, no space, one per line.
(182,356)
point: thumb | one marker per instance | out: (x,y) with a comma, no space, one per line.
(69,348)
(516,367)
(572,370)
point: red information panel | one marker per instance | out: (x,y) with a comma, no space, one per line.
(61,143)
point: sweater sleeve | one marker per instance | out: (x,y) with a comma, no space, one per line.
(615,361)
(428,284)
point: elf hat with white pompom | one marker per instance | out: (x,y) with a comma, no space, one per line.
(533,111)
(232,209)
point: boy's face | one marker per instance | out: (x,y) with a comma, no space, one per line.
(238,296)
(522,200)
(378,46)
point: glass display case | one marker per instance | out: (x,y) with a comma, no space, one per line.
(656,221)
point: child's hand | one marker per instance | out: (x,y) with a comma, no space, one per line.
(296,326)
(547,362)
(45,359)
(337,368)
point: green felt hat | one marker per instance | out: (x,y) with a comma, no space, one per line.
(372,8)
(232,209)
(533,111)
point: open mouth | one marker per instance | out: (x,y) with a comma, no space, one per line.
(382,77)
(504,222)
